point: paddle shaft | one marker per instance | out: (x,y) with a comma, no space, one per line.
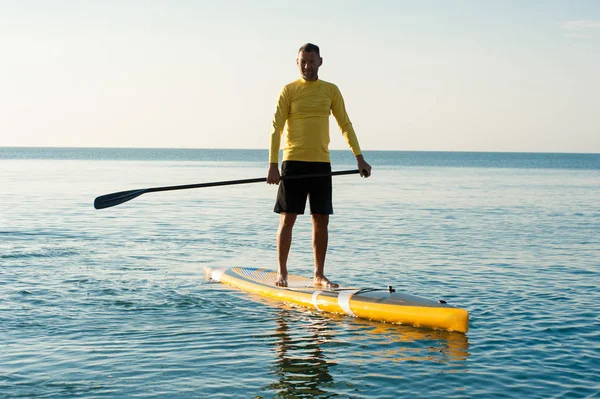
(108,200)
(245,181)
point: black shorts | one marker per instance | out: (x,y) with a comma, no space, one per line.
(292,194)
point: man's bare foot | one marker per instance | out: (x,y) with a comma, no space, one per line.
(323,282)
(281,281)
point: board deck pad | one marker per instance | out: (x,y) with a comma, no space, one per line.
(380,304)
(269,277)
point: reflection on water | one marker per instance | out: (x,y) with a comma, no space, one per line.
(414,344)
(300,363)
(304,341)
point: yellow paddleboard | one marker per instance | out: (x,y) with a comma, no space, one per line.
(384,305)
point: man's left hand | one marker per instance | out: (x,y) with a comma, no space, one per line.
(363,167)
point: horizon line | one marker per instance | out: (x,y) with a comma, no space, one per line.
(266,149)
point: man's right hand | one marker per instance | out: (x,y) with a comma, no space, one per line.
(273,176)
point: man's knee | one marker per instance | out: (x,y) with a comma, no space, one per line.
(320,220)
(287,220)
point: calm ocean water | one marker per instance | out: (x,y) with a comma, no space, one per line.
(113,303)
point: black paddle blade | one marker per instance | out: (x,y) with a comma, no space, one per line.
(108,200)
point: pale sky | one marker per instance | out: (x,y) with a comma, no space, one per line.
(445,75)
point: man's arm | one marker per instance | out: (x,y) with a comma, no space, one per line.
(281,114)
(338,109)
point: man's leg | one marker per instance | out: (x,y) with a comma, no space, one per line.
(320,239)
(284,243)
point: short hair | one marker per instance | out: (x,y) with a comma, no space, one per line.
(310,48)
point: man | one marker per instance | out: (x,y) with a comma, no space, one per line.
(306,105)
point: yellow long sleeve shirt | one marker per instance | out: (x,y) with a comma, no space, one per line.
(303,109)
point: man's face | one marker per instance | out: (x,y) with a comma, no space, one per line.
(309,63)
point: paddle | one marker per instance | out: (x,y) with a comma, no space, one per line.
(108,200)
